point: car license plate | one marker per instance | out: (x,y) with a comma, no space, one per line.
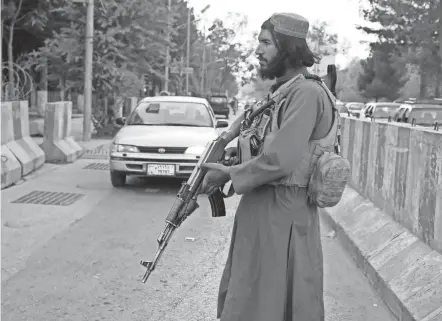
(160,170)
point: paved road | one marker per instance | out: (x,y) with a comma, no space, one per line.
(81,262)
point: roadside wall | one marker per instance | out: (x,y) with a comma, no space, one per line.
(398,168)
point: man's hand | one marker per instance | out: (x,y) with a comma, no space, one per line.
(231,152)
(216,176)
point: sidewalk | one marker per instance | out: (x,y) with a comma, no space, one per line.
(404,271)
(28,224)
(95,148)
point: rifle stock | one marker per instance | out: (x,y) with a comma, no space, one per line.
(186,201)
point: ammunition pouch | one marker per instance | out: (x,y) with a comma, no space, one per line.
(245,147)
(251,140)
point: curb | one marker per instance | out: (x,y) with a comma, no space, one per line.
(88,152)
(404,271)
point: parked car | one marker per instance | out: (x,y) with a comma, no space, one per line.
(425,115)
(343,110)
(354,108)
(379,110)
(220,104)
(399,115)
(402,115)
(341,107)
(164,137)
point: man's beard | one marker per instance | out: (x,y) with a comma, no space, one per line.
(274,69)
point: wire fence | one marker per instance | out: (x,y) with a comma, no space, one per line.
(19,87)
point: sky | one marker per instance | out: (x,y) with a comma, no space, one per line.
(341,15)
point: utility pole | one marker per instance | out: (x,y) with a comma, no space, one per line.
(87,120)
(440,29)
(166,71)
(1,51)
(203,68)
(188,51)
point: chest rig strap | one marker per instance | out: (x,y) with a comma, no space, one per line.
(257,119)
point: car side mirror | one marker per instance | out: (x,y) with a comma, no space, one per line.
(222,124)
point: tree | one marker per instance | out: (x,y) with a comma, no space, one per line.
(18,17)
(409,25)
(384,73)
(221,52)
(226,54)
(346,86)
(129,41)
(321,41)
(179,28)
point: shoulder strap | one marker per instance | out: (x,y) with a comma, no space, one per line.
(324,86)
(274,98)
(332,99)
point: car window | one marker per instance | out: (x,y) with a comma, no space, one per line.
(425,116)
(355,106)
(171,113)
(342,109)
(218,100)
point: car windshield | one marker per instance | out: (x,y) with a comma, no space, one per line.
(218,100)
(171,113)
(355,106)
(426,116)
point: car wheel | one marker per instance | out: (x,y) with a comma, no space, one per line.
(118,179)
(227,115)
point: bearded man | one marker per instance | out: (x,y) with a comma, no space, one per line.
(274,270)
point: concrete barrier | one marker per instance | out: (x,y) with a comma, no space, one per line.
(11,168)
(28,153)
(80,103)
(42,99)
(390,217)
(58,144)
(398,168)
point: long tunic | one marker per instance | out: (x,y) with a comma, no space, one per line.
(274,269)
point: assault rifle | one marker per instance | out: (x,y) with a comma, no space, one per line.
(186,200)
(331,78)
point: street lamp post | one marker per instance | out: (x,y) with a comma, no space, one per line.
(440,29)
(167,66)
(87,126)
(188,46)
(203,67)
(188,52)
(166,69)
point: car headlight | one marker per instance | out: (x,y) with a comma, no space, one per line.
(195,150)
(124,148)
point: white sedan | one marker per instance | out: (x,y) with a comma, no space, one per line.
(164,137)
